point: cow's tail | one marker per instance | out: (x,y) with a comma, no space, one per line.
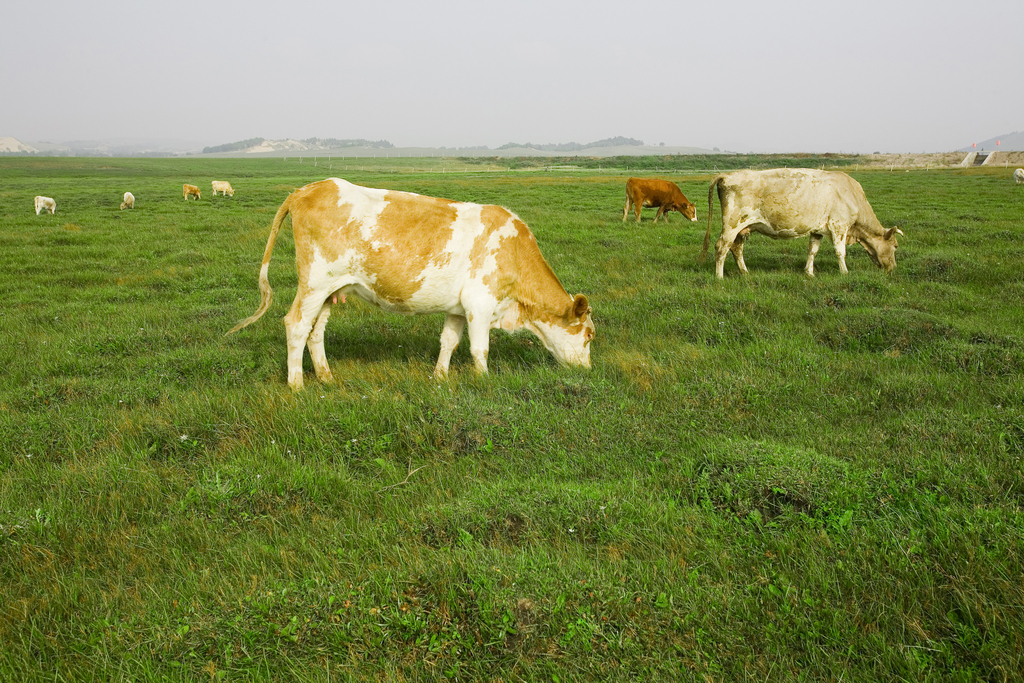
(711,199)
(266,293)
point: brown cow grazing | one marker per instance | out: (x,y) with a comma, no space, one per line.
(408,253)
(785,203)
(641,192)
(187,190)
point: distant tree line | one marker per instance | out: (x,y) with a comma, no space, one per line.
(332,143)
(674,162)
(576,147)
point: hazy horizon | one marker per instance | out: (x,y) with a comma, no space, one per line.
(783,77)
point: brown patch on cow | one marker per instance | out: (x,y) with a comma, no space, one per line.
(493,218)
(536,286)
(420,227)
(409,231)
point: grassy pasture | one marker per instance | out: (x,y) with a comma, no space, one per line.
(766,478)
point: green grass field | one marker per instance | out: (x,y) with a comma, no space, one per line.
(765,478)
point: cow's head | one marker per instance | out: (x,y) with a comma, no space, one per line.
(881,248)
(687,209)
(568,336)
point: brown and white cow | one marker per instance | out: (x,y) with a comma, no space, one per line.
(187,190)
(409,253)
(45,204)
(786,203)
(223,187)
(129,201)
(641,192)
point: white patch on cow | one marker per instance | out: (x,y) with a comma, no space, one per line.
(346,271)
(366,204)
(443,279)
(568,346)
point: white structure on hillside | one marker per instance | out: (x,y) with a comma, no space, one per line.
(15,145)
(977,159)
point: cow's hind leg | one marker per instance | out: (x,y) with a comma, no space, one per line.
(737,250)
(450,335)
(298,324)
(316,344)
(625,211)
(732,239)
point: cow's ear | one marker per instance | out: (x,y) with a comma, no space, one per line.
(580,306)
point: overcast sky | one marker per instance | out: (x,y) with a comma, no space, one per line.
(790,76)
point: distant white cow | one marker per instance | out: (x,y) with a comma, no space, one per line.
(224,187)
(1018,175)
(129,201)
(45,204)
(785,203)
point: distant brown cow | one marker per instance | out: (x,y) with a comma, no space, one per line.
(187,190)
(641,192)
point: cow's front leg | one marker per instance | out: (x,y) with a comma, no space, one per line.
(812,250)
(316,345)
(840,247)
(479,340)
(450,335)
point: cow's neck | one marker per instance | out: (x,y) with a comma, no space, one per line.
(537,290)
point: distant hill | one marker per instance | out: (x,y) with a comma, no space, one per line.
(15,146)
(1011,142)
(262,145)
(575,146)
(617,146)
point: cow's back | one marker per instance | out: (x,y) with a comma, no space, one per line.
(653,190)
(790,199)
(411,252)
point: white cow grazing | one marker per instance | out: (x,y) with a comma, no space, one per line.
(409,253)
(1018,175)
(785,203)
(223,187)
(129,201)
(45,204)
